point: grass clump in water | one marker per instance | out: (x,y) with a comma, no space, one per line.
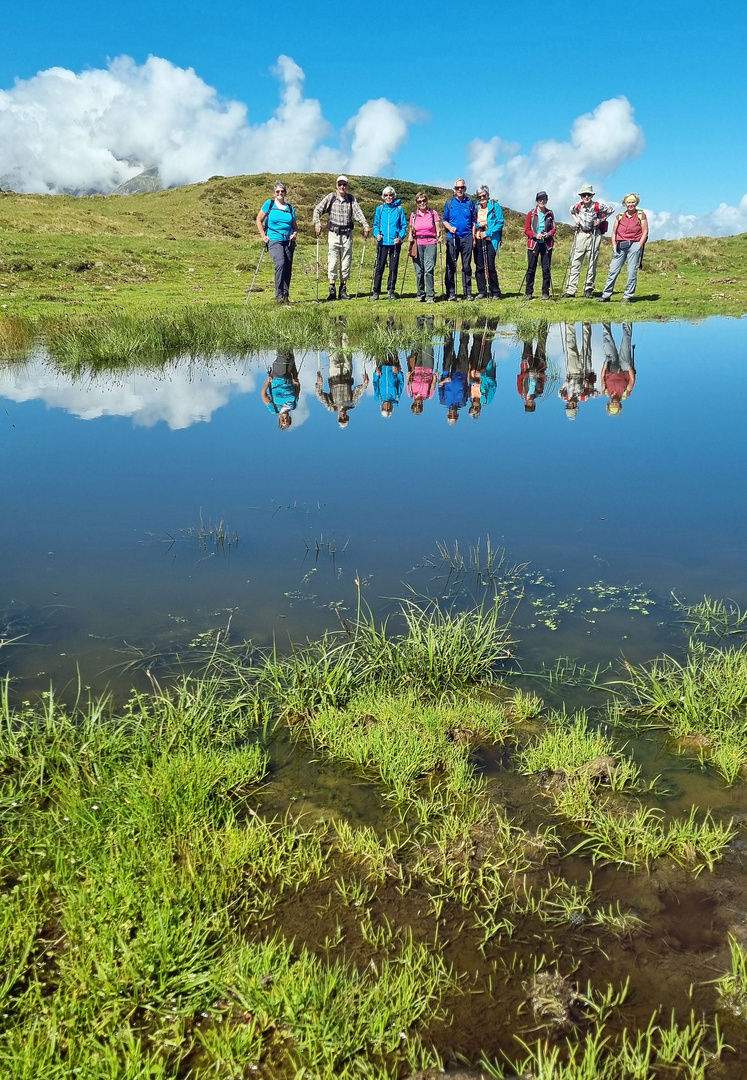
(702,702)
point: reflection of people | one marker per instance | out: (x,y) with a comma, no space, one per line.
(629,235)
(277,226)
(539,229)
(389,229)
(421,370)
(590,219)
(482,375)
(487,233)
(341,207)
(388,383)
(281,389)
(530,382)
(426,231)
(342,395)
(580,378)
(453,389)
(459,217)
(618,373)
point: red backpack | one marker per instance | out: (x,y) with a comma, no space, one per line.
(602,224)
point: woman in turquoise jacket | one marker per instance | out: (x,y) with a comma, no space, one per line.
(389,229)
(487,233)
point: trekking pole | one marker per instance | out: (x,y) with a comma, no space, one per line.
(441,268)
(404,278)
(363,255)
(317,269)
(373,271)
(265,247)
(570,259)
(485,270)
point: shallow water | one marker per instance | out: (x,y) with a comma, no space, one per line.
(113,483)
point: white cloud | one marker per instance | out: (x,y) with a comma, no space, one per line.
(600,142)
(62,131)
(725,220)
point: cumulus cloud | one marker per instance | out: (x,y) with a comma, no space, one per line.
(90,131)
(725,220)
(599,144)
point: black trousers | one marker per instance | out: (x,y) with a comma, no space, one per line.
(456,247)
(541,251)
(484,247)
(384,252)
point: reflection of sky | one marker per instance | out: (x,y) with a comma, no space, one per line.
(652,495)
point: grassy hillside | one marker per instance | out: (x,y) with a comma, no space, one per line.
(145,255)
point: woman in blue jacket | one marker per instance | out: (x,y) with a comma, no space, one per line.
(277,226)
(487,233)
(389,229)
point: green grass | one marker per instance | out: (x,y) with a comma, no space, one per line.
(701,702)
(103,272)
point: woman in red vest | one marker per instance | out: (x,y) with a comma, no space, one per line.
(629,235)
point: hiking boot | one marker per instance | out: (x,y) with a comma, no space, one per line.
(468,297)
(545,296)
(430,300)
(421,299)
(569,296)
(497,296)
(588,294)
(374,296)
(451,297)
(332,291)
(603,300)
(626,300)
(527,296)
(343,294)
(391,296)
(482,296)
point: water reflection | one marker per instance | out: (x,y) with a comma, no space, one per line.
(618,372)
(388,384)
(580,377)
(342,396)
(282,387)
(422,375)
(530,383)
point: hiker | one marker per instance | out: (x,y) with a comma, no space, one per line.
(590,219)
(453,389)
(342,395)
(580,378)
(425,229)
(539,229)
(388,383)
(530,382)
(618,372)
(421,368)
(281,389)
(340,207)
(629,235)
(277,226)
(487,233)
(389,229)
(459,216)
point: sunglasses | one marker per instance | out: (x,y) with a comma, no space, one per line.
(460,187)
(421,201)
(342,183)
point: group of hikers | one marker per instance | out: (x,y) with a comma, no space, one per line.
(466,376)
(474,230)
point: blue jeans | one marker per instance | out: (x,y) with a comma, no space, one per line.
(628,251)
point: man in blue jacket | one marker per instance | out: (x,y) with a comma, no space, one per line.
(459,217)
(390,229)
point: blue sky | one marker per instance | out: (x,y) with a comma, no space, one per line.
(465,73)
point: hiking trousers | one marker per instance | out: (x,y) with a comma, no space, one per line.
(424,267)
(585,243)
(543,252)
(628,251)
(458,247)
(485,252)
(384,252)
(281,253)
(339,256)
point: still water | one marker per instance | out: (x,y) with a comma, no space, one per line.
(142,510)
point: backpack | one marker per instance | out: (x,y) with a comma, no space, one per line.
(270,204)
(603,225)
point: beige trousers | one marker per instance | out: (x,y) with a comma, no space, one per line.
(585,243)
(339,253)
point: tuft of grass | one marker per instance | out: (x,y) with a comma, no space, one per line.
(701,702)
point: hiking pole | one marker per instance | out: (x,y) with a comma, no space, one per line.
(485,271)
(570,259)
(363,255)
(404,278)
(265,247)
(441,269)
(317,269)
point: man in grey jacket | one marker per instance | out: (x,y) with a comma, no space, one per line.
(590,219)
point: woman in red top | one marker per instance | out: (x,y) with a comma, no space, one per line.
(629,235)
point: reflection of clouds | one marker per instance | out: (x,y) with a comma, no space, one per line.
(183,393)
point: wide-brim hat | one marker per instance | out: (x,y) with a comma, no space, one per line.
(587,189)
